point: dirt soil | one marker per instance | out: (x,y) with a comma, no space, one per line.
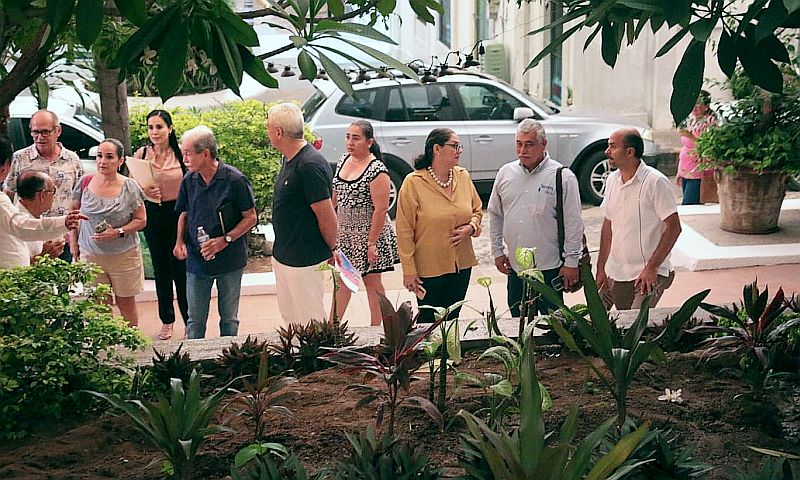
(108,447)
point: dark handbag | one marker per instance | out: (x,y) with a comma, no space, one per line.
(585,259)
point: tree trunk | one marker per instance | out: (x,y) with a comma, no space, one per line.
(113,104)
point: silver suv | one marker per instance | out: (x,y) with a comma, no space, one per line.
(481,109)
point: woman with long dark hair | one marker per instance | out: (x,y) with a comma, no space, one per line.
(361,189)
(438,210)
(166,162)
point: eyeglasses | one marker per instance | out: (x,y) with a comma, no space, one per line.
(45,133)
(457,146)
(51,191)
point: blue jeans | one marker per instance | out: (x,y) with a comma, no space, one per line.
(198,294)
(691,191)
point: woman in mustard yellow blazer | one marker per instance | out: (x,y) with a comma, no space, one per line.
(438,211)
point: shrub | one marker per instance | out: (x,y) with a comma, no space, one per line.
(384,458)
(169,366)
(240,359)
(53,346)
(300,346)
(241,133)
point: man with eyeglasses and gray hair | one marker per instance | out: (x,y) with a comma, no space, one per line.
(48,155)
(523,213)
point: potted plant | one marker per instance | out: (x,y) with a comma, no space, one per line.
(754,150)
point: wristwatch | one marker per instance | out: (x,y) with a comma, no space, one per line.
(121,232)
(228,239)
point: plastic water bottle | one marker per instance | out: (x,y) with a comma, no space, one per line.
(203,237)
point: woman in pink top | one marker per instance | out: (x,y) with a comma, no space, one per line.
(697,122)
(166,161)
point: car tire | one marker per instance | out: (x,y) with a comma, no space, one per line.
(394,190)
(592,176)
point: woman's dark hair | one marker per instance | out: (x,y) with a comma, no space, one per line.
(704,98)
(173,139)
(438,136)
(369,134)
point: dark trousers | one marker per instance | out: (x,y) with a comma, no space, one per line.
(691,191)
(66,255)
(443,291)
(160,233)
(514,288)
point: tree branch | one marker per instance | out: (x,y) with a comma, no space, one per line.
(277,51)
(265,12)
(29,66)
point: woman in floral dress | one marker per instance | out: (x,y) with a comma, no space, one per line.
(361,189)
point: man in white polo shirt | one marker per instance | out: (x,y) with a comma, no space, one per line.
(640,227)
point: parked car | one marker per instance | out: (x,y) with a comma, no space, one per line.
(81,128)
(483,110)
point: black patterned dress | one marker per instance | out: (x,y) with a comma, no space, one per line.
(354,210)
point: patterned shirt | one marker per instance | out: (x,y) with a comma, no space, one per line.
(66,171)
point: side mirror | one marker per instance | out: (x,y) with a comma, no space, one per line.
(93,151)
(521,113)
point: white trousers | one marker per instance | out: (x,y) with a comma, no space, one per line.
(300,291)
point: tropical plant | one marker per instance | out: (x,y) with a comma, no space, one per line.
(777,466)
(178,425)
(168,366)
(449,349)
(525,455)
(384,458)
(623,352)
(270,461)
(53,345)
(658,455)
(526,259)
(754,332)
(264,396)
(238,360)
(490,315)
(393,364)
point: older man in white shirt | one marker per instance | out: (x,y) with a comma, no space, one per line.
(16,227)
(522,213)
(36,191)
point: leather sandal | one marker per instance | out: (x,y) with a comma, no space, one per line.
(166,332)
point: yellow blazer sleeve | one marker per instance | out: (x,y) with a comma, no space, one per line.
(405,225)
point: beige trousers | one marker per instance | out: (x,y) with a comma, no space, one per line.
(300,291)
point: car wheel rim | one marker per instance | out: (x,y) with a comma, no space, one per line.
(598,178)
(392,195)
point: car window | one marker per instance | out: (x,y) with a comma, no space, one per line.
(361,106)
(487,102)
(313,103)
(395,108)
(428,103)
(76,141)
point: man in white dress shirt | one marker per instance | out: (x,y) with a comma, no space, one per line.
(36,191)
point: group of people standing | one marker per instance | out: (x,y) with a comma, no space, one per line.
(196,211)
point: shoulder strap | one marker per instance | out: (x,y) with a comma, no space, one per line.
(560,212)
(85,180)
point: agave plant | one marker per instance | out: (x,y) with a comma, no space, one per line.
(623,352)
(178,425)
(384,458)
(393,364)
(270,461)
(240,359)
(525,455)
(175,365)
(264,396)
(756,329)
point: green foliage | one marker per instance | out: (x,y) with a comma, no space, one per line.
(525,455)
(658,455)
(241,132)
(52,346)
(384,458)
(178,425)
(451,354)
(242,359)
(754,39)
(264,396)
(622,352)
(301,346)
(270,462)
(393,364)
(166,367)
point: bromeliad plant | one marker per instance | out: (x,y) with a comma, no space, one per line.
(178,425)
(623,352)
(393,364)
(525,455)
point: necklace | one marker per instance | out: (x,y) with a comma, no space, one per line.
(439,182)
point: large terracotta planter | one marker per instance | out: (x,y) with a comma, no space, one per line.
(750,202)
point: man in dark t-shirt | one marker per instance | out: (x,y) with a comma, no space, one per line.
(302,216)
(212,190)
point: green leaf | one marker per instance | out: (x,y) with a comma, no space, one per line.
(353,28)
(503,388)
(726,53)
(525,257)
(423,9)
(553,45)
(759,67)
(771,18)
(88,20)
(386,7)
(337,74)
(677,12)
(172,59)
(59,13)
(701,29)
(386,59)
(792,5)
(688,81)
(610,43)
(336,7)
(672,42)
(227,59)
(236,28)
(307,65)
(133,10)
(147,35)
(254,67)
(773,48)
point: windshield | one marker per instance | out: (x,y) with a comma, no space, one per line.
(87,117)
(313,103)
